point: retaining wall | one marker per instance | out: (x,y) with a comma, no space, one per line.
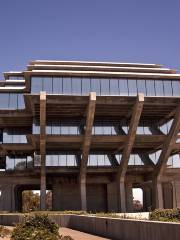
(120,229)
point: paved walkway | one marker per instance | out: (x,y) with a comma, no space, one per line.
(76,235)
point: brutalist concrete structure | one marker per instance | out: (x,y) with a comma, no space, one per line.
(90,132)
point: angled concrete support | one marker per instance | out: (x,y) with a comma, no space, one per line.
(85,148)
(129,197)
(43,150)
(161,165)
(136,113)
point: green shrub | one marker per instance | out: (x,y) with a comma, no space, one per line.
(37,227)
(166,215)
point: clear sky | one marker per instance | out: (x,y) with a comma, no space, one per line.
(104,30)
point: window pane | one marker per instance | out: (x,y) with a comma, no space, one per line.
(4,100)
(67,88)
(20,163)
(132,87)
(176,88)
(36,84)
(150,89)
(16,77)
(57,85)
(167,88)
(107,130)
(141,86)
(100,160)
(9,163)
(76,86)
(104,86)
(64,129)
(114,87)
(21,104)
(123,85)
(131,160)
(48,128)
(176,161)
(13,103)
(86,86)
(47,84)
(159,88)
(95,85)
(70,160)
(56,127)
(62,160)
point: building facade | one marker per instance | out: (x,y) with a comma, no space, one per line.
(90,132)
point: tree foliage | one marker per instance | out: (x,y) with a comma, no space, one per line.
(31,201)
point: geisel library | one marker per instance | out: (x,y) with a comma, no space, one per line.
(90,132)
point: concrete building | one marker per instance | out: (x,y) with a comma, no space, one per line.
(90,132)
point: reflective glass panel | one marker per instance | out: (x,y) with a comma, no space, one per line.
(13,101)
(4,100)
(21,104)
(132,87)
(48,84)
(86,86)
(114,87)
(159,88)
(36,84)
(95,86)
(105,86)
(9,163)
(67,86)
(123,86)
(76,86)
(150,88)
(57,85)
(167,88)
(176,88)
(141,86)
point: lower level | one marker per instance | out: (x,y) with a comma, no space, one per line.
(101,192)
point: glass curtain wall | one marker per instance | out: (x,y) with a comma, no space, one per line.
(11,101)
(18,162)
(16,78)
(173,161)
(15,135)
(124,87)
(58,128)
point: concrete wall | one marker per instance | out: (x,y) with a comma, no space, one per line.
(66,196)
(117,229)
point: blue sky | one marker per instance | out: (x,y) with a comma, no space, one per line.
(105,30)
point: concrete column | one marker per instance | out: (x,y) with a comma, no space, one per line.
(129,197)
(121,196)
(43,150)
(7,198)
(157,195)
(43,183)
(83,197)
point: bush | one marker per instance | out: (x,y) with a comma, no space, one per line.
(165,215)
(37,227)
(4,232)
